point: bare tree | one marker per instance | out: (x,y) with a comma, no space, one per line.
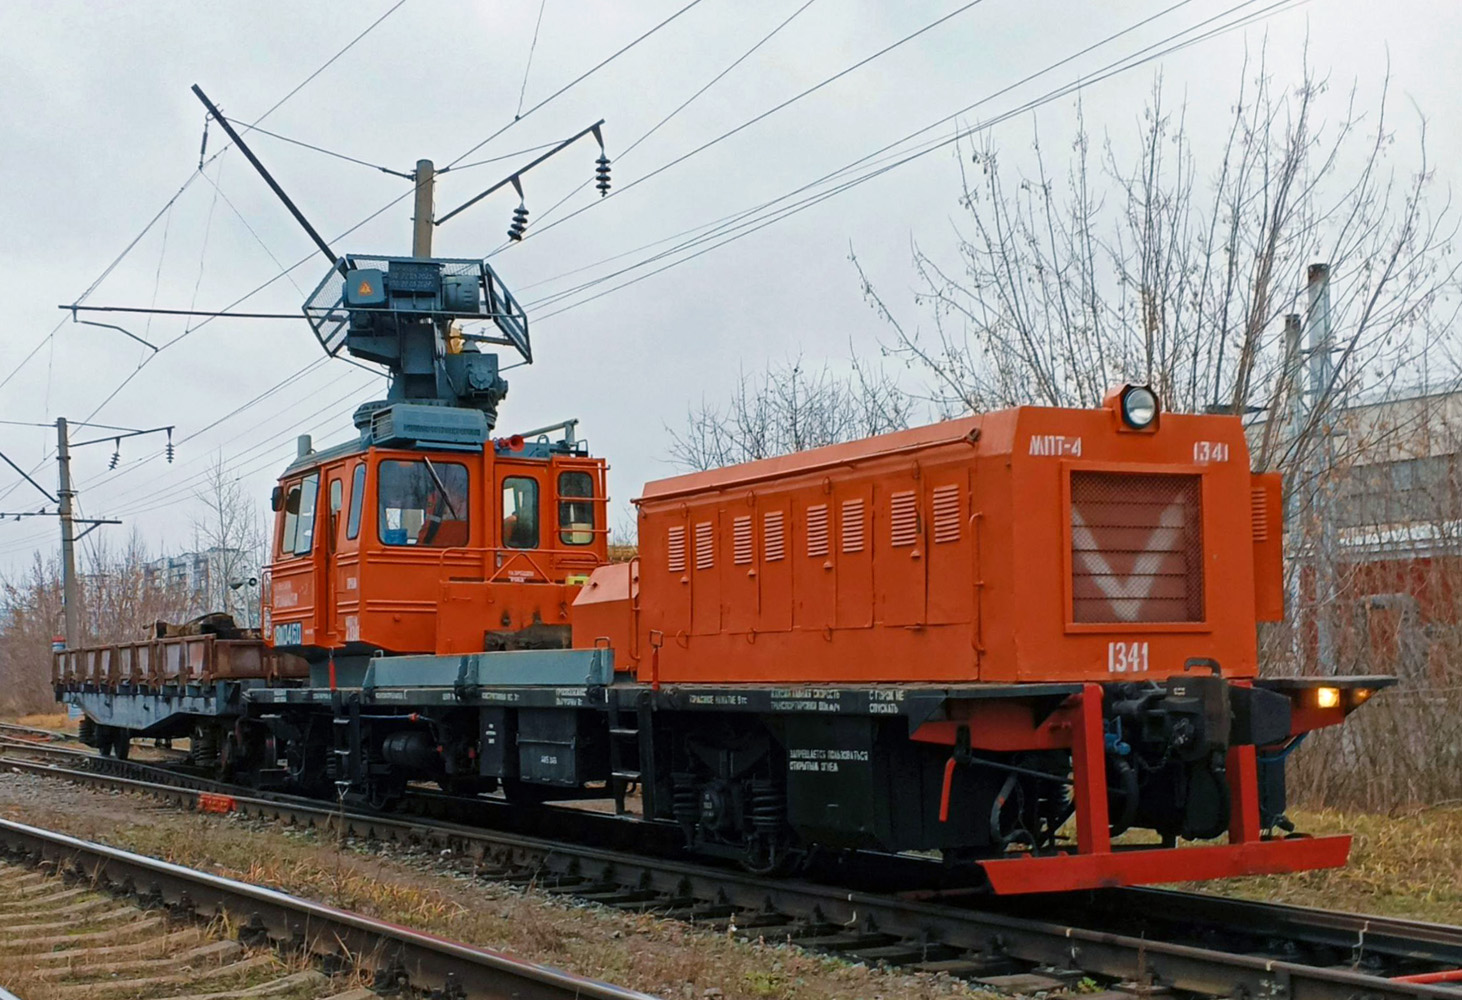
(788,408)
(1152,268)
(122,595)
(231,544)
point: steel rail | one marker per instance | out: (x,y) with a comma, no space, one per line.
(392,953)
(857,922)
(50,734)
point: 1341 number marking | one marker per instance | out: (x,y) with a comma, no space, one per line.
(1205,452)
(1127,657)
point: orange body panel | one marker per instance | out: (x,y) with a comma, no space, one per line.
(1267,512)
(1024,545)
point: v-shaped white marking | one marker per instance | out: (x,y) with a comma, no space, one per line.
(1125,594)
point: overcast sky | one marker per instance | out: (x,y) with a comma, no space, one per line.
(98,130)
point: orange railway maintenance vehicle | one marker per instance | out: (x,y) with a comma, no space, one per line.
(1023,639)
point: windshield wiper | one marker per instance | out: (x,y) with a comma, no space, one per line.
(445,495)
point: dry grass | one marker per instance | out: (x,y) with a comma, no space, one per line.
(50,720)
(1407,865)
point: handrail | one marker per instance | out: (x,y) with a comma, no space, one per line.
(484,552)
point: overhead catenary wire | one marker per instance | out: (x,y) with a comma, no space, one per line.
(151,496)
(577,80)
(456,164)
(827,81)
(862,159)
(533,47)
(747,222)
(685,104)
(107,271)
(822,196)
(192,177)
(719,76)
(328,152)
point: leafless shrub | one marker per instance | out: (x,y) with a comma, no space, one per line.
(788,408)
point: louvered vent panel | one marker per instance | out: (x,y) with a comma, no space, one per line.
(852,525)
(946,514)
(741,540)
(1259,514)
(817,530)
(904,518)
(772,536)
(705,555)
(1136,548)
(676,563)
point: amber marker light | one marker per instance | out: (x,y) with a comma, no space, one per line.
(1327,697)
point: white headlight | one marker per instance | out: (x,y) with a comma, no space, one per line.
(1139,406)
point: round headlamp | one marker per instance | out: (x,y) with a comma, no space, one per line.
(1139,407)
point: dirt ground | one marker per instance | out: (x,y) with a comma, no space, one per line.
(665,958)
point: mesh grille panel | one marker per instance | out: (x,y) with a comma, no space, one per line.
(1136,548)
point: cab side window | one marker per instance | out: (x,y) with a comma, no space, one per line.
(520,512)
(305,532)
(298,533)
(291,519)
(575,508)
(357,497)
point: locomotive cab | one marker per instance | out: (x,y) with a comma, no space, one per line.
(389,546)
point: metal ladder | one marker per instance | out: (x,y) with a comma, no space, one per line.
(631,749)
(345,733)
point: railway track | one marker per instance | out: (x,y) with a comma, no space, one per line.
(1131,940)
(58,938)
(15,731)
(87,919)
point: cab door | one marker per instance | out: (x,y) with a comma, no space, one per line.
(521,529)
(331,531)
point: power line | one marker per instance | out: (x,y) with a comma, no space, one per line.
(542,4)
(143,502)
(498,159)
(331,61)
(575,82)
(740,221)
(683,105)
(166,207)
(454,164)
(106,272)
(757,224)
(328,152)
(772,110)
(735,216)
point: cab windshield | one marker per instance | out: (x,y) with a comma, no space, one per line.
(422,502)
